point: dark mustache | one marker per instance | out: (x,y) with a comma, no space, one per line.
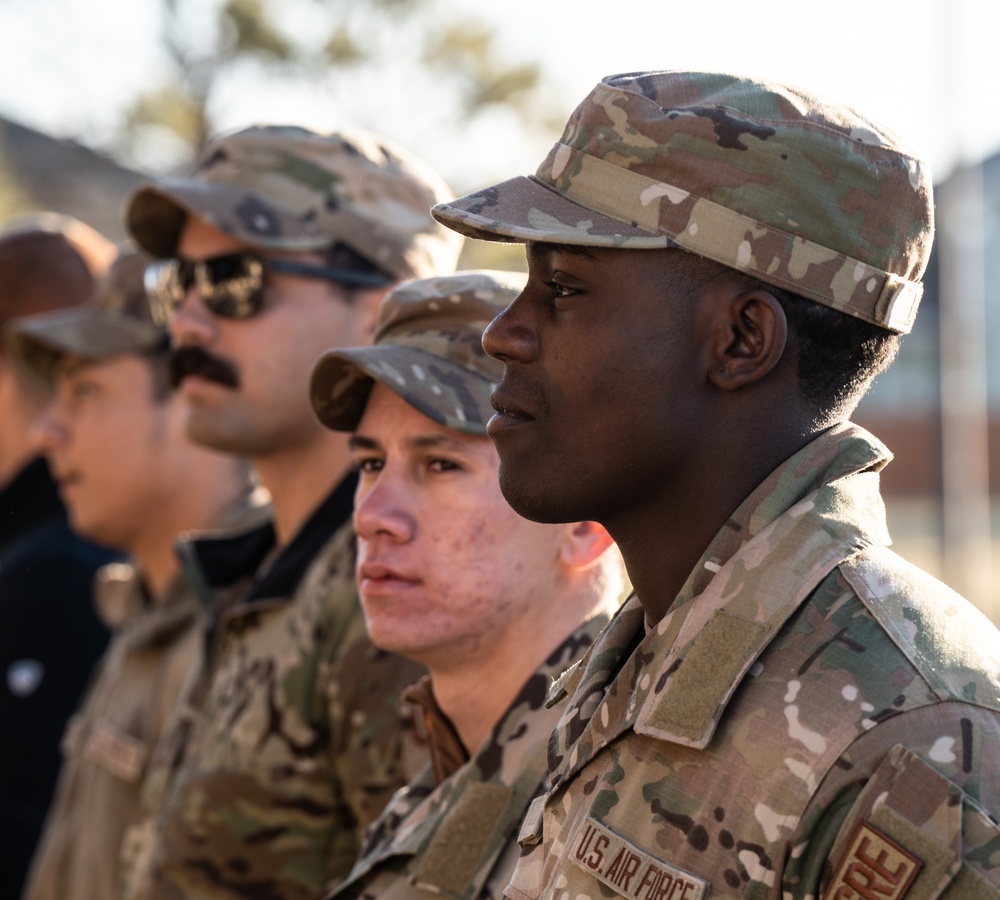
(194,360)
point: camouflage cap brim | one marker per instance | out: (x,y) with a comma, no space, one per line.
(155,216)
(40,341)
(446,392)
(525,209)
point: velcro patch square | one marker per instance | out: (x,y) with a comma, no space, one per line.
(629,871)
(873,866)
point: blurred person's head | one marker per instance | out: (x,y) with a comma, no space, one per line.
(112,429)
(47,262)
(280,245)
(448,573)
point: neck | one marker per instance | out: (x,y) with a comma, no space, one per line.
(158,564)
(200,503)
(687,516)
(476,689)
(299,478)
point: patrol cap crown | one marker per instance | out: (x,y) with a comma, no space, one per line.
(49,261)
(286,188)
(115,320)
(803,194)
(428,349)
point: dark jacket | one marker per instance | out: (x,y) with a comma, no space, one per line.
(50,639)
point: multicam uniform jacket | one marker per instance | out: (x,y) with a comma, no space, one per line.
(107,744)
(813,717)
(293,740)
(453,830)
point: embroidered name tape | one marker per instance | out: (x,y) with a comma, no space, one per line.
(630,871)
(873,866)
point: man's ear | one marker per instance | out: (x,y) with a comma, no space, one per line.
(583,544)
(750,336)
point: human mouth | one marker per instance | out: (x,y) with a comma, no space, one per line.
(509,413)
(66,482)
(377,579)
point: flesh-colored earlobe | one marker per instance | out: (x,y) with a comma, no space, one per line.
(750,340)
(584,544)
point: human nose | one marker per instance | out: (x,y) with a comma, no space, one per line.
(191,323)
(511,336)
(48,430)
(382,508)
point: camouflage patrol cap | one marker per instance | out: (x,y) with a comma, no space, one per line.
(805,195)
(428,349)
(285,188)
(116,320)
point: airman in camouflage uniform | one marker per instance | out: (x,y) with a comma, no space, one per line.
(280,246)
(106,363)
(718,267)
(426,383)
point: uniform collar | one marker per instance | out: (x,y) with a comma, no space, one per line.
(220,561)
(124,604)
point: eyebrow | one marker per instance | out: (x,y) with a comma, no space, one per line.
(420,442)
(67,368)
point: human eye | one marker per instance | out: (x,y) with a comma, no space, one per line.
(81,389)
(561,290)
(440,465)
(368,465)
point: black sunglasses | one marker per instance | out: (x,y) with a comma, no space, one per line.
(232,285)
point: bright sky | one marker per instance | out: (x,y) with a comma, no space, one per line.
(927,69)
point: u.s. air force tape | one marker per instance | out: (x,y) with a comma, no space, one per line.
(631,871)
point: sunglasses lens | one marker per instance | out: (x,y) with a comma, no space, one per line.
(230,286)
(165,286)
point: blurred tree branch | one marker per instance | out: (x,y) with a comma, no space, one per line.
(206,44)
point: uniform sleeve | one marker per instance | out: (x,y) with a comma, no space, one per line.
(922,823)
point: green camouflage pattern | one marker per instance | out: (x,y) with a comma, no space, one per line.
(725,751)
(108,742)
(291,744)
(116,320)
(805,195)
(428,349)
(139,840)
(285,188)
(458,837)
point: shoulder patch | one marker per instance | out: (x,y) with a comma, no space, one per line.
(630,871)
(873,865)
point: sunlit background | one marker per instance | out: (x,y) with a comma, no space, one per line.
(95,93)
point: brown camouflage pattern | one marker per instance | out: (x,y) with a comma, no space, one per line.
(458,838)
(109,741)
(726,751)
(428,349)
(116,320)
(285,188)
(805,195)
(288,748)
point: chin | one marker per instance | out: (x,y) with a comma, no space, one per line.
(534,503)
(93,531)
